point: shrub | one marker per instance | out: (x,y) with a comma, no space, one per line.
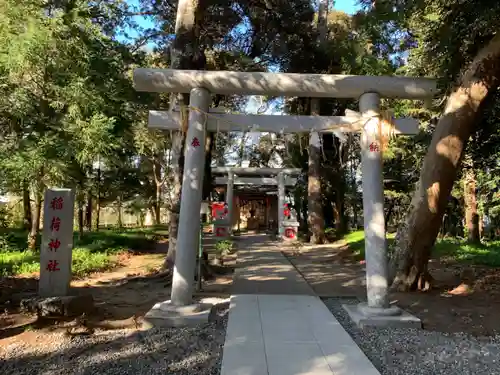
(224,247)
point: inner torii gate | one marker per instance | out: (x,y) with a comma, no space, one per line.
(282,177)
(368,89)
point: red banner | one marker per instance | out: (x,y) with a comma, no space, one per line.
(219,209)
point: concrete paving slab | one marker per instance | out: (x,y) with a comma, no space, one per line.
(296,358)
(298,334)
(244,358)
(263,269)
(277,326)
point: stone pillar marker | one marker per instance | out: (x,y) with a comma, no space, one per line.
(281,202)
(57,243)
(230,200)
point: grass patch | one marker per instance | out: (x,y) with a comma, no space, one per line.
(486,253)
(456,249)
(356,242)
(94,252)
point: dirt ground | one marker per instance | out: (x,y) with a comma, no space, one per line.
(121,294)
(448,307)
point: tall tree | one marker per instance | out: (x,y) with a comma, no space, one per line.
(463,111)
(185,53)
(315,204)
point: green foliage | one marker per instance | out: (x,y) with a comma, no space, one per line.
(486,253)
(330,234)
(84,262)
(5,216)
(224,247)
(95,251)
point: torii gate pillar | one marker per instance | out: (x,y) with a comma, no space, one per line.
(377,311)
(180,309)
(230,200)
(281,202)
(373,205)
(192,186)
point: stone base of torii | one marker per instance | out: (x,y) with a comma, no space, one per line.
(368,89)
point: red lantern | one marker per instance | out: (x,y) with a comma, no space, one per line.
(290,233)
(286,210)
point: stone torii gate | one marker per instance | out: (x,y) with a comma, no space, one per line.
(284,177)
(368,89)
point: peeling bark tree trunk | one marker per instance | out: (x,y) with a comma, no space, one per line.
(176,199)
(471,213)
(416,237)
(185,54)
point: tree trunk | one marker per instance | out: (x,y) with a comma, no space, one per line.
(185,54)
(241,149)
(315,215)
(80,218)
(471,213)
(98,198)
(158,205)
(339,211)
(389,212)
(119,209)
(340,189)
(35,223)
(207,176)
(27,219)
(158,197)
(416,237)
(88,212)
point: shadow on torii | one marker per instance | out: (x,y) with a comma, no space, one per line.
(368,89)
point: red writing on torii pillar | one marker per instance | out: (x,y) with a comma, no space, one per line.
(53,266)
(195,143)
(54,244)
(55,225)
(57,203)
(374,147)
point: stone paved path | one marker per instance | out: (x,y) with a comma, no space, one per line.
(277,326)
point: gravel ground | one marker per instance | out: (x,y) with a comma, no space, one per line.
(176,351)
(420,352)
